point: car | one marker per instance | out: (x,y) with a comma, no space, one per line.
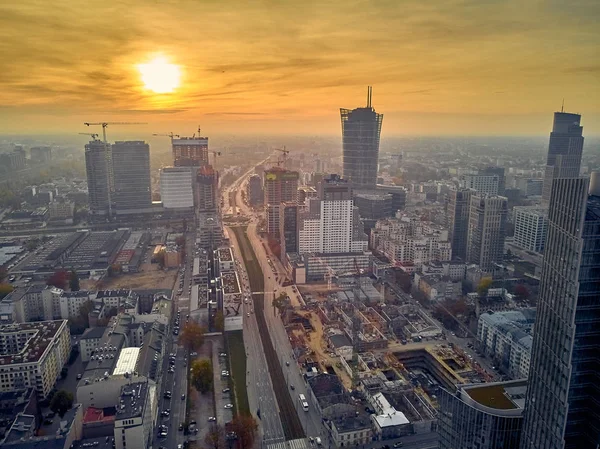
(180,446)
(224,373)
(162,434)
(79,376)
(292,387)
(287,363)
(182,397)
(211,419)
(180,426)
(398,444)
(194,354)
(228,406)
(165,413)
(248,314)
(318,441)
(167,395)
(223,354)
(226,390)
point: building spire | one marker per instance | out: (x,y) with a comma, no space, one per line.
(369,95)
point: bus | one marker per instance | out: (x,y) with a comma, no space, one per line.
(303,402)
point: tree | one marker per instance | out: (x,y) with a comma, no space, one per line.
(61,402)
(192,336)
(219,321)
(483,286)
(59,279)
(281,302)
(215,437)
(5,289)
(74,281)
(202,375)
(245,427)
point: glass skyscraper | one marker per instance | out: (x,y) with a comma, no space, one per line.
(361,130)
(563,397)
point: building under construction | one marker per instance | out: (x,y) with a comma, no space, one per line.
(190,151)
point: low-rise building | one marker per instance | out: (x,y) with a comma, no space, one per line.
(136,414)
(351,430)
(387,421)
(32,355)
(90,341)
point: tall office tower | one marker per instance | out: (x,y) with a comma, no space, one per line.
(564,151)
(190,151)
(562,407)
(459,204)
(361,130)
(487,230)
(176,187)
(207,185)
(332,224)
(98,177)
(498,171)
(131,171)
(531,227)
(288,228)
(254,191)
(280,186)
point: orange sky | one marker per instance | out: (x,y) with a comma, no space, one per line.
(437,67)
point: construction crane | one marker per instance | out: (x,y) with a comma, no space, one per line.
(215,154)
(171,135)
(284,156)
(94,136)
(107,155)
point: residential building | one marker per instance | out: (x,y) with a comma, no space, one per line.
(288,228)
(438,288)
(408,241)
(190,151)
(176,188)
(90,341)
(506,338)
(487,230)
(531,226)
(207,182)
(40,155)
(459,204)
(387,421)
(98,167)
(361,130)
(482,416)
(351,430)
(331,224)
(563,400)
(136,412)
(131,171)
(254,191)
(280,186)
(564,151)
(70,302)
(61,210)
(483,182)
(32,355)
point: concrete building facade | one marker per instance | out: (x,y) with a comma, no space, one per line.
(487,230)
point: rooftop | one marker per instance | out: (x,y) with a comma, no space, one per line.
(224,254)
(38,337)
(501,395)
(127,361)
(92,333)
(230,282)
(132,400)
(94,415)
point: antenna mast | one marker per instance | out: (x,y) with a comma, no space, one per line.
(562,108)
(369,95)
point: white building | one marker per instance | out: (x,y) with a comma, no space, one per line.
(483,183)
(387,421)
(176,187)
(408,241)
(89,342)
(36,303)
(531,226)
(506,338)
(70,302)
(32,355)
(136,413)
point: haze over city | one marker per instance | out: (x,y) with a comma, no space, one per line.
(440,67)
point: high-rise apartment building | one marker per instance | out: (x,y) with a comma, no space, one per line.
(531,226)
(176,187)
(280,186)
(99,176)
(288,228)
(361,130)
(564,151)
(131,171)
(190,151)
(487,230)
(330,225)
(254,191)
(207,184)
(562,408)
(459,205)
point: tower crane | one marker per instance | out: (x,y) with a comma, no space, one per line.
(171,135)
(94,136)
(107,155)
(284,156)
(215,154)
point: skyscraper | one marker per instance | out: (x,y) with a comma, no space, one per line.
(281,186)
(190,151)
(207,181)
(98,177)
(487,230)
(361,130)
(459,204)
(131,171)
(562,408)
(176,187)
(564,151)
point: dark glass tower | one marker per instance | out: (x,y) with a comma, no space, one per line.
(98,177)
(131,171)
(361,129)
(564,151)
(459,204)
(563,398)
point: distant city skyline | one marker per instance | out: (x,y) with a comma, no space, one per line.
(441,68)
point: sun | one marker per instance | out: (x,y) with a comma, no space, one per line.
(159,75)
